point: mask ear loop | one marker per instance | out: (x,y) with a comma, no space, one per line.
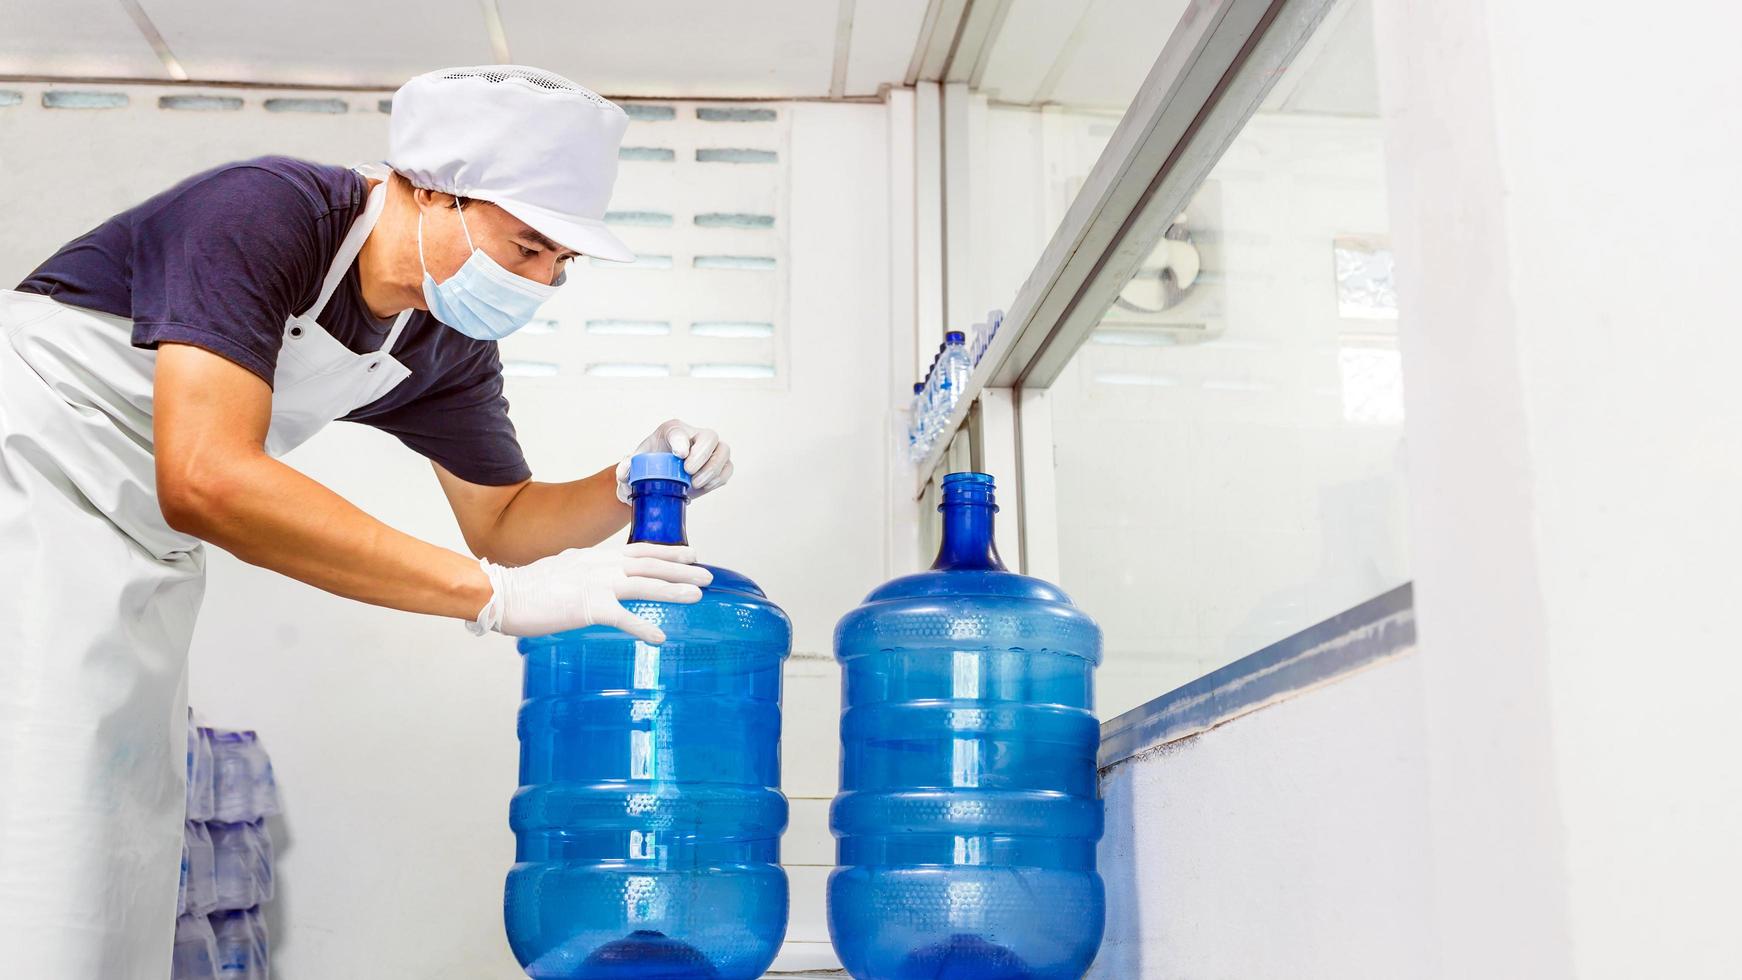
(463,229)
(421,263)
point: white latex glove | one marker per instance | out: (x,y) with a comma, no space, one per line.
(583,586)
(706,459)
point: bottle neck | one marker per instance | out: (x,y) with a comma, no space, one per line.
(967,543)
(658,512)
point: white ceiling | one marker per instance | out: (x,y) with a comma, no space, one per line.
(884,35)
(73,38)
(1083,53)
(1079,53)
(669,47)
(1096,53)
(319,42)
(675,48)
(1335,73)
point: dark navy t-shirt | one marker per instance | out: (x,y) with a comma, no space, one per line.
(222,259)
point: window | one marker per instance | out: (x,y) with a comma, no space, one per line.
(1054,84)
(1226,444)
(1197,391)
(701,199)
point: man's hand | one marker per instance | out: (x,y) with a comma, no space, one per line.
(706,459)
(584,586)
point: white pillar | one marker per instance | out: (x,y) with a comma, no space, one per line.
(1568,231)
(928,206)
(907,227)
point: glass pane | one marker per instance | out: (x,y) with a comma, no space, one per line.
(1056,81)
(1228,441)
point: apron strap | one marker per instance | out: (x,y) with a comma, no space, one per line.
(374,170)
(398,328)
(349,248)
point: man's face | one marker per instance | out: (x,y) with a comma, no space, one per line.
(500,235)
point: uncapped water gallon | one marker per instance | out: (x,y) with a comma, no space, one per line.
(969,812)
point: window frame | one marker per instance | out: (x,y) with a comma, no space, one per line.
(1211,77)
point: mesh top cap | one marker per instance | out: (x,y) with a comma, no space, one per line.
(527,140)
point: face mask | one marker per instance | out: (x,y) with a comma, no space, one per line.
(482,300)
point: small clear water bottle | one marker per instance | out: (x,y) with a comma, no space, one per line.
(243,949)
(957,366)
(199,857)
(649,814)
(195,955)
(929,405)
(202,794)
(969,810)
(915,435)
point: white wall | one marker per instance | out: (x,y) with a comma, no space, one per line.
(64,170)
(1568,242)
(1548,787)
(393,736)
(1291,842)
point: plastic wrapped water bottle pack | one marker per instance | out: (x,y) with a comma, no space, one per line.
(202,790)
(199,895)
(227,857)
(196,949)
(242,864)
(242,945)
(241,778)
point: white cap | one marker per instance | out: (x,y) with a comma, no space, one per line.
(531,142)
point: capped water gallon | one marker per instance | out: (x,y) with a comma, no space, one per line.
(649,813)
(969,810)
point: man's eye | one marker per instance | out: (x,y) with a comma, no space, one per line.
(526,253)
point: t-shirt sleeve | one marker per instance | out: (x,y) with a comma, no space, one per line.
(223,264)
(462,424)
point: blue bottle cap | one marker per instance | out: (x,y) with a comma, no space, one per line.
(955,337)
(918,386)
(657,466)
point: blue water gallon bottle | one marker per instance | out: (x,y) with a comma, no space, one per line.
(649,812)
(969,809)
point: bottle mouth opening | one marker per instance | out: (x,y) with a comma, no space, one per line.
(969,488)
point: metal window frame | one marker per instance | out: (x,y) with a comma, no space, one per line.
(1211,76)
(1233,70)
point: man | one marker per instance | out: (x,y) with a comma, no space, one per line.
(152,371)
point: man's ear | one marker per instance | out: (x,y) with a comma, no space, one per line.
(428,200)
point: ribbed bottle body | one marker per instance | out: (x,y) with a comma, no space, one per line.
(649,813)
(969,814)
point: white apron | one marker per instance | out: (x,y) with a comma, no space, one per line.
(97,604)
